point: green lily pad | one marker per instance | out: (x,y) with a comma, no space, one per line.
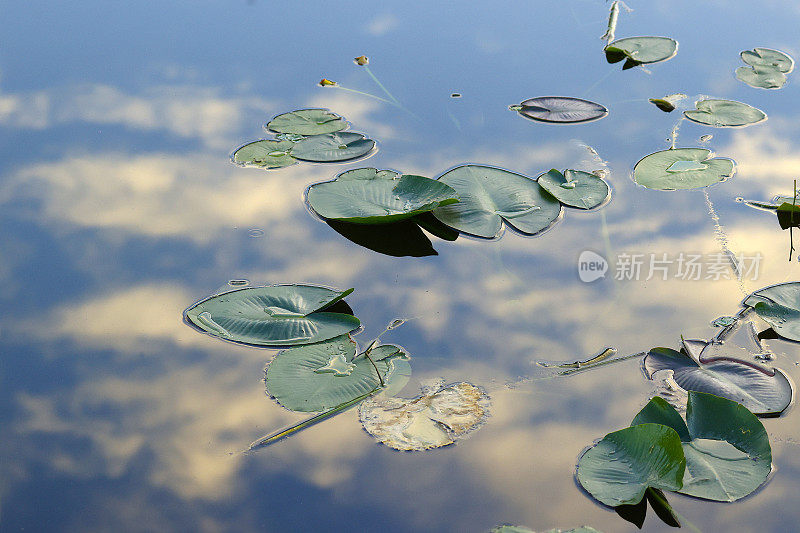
(378,201)
(307,122)
(325,375)
(275,315)
(761,77)
(668,103)
(769,58)
(575,188)
(779,306)
(724,113)
(682,168)
(640,50)
(762,390)
(492,196)
(727,449)
(332,147)
(624,464)
(368,174)
(561,109)
(267,154)
(788,215)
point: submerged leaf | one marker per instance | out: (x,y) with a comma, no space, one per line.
(779,306)
(669,102)
(266,154)
(325,375)
(275,315)
(432,420)
(682,168)
(561,109)
(727,449)
(640,50)
(332,147)
(623,464)
(575,188)
(307,122)
(378,201)
(725,113)
(490,196)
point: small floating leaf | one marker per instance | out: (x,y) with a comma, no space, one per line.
(641,50)
(725,113)
(624,464)
(560,109)
(325,375)
(307,122)
(767,57)
(668,103)
(575,188)
(779,306)
(761,77)
(276,315)
(656,171)
(788,215)
(727,449)
(368,174)
(325,82)
(378,201)
(266,154)
(490,196)
(332,147)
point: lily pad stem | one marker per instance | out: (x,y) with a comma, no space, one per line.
(654,494)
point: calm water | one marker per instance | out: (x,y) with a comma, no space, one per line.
(120,208)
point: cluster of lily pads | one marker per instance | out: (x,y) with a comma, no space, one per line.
(766,68)
(476,200)
(324,371)
(311,135)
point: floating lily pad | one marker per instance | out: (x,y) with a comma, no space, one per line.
(779,306)
(522,529)
(725,113)
(727,449)
(332,147)
(378,201)
(763,391)
(307,122)
(767,57)
(490,196)
(276,315)
(624,464)
(575,188)
(561,109)
(435,419)
(641,50)
(325,375)
(368,174)
(267,154)
(668,103)
(761,77)
(682,168)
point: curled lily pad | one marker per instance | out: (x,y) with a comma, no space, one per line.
(325,375)
(682,168)
(724,113)
(399,239)
(641,50)
(378,201)
(435,419)
(307,122)
(561,109)
(761,77)
(267,154)
(276,315)
(668,103)
(575,188)
(368,174)
(489,197)
(779,306)
(767,57)
(762,390)
(624,464)
(727,449)
(332,147)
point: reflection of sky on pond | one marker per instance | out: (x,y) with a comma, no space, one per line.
(120,208)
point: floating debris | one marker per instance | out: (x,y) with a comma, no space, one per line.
(723,321)
(238,282)
(361,60)
(455,95)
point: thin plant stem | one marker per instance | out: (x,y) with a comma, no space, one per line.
(791,222)
(682,518)
(384,89)
(365,94)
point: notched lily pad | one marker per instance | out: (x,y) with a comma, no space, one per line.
(332,147)
(767,57)
(767,68)
(682,168)
(307,122)
(435,419)
(575,188)
(668,103)
(490,197)
(725,113)
(268,154)
(326,375)
(561,109)
(727,449)
(275,315)
(641,50)
(378,201)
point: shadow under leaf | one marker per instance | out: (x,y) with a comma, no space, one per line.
(398,239)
